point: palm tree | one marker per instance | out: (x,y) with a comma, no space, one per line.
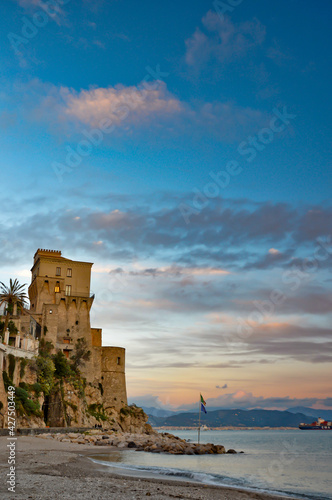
(14,296)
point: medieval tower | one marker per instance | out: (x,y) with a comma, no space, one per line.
(60,307)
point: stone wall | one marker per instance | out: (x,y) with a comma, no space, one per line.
(113,376)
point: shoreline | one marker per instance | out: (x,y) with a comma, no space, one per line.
(226,428)
(50,469)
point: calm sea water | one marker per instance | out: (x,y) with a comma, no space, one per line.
(294,462)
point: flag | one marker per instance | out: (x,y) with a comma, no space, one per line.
(203,408)
(202,400)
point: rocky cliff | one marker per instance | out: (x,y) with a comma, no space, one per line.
(49,392)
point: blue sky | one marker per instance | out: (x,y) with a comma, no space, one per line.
(186,152)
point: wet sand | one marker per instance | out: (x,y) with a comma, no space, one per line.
(48,469)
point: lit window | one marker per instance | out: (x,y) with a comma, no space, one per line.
(58,271)
(69,272)
(68,290)
(57,289)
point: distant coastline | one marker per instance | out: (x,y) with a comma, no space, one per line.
(226,428)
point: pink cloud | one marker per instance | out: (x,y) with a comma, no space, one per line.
(133,104)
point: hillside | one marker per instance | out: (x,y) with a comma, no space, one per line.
(234,418)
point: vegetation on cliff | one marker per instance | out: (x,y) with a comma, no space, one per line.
(50,390)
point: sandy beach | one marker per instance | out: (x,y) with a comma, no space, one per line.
(56,470)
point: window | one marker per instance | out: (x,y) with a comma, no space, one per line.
(57,288)
(69,274)
(68,290)
(118,361)
(58,271)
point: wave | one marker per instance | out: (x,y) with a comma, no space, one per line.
(203,478)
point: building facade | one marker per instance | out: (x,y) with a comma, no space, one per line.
(60,304)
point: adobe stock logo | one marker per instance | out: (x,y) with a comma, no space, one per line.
(30,27)
(225,7)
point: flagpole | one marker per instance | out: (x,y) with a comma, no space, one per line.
(199,419)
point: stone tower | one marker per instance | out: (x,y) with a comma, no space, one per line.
(61,301)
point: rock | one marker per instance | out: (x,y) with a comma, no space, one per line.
(220,449)
(102,443)
(189,451)
(148,429)
(122,445)
(131,444)
(231,451)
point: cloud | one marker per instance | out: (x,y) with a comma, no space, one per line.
(223,41)
(238,400)
(148,106)
(135,104)
(149,400)
(176,271)
(53,8)
(246,400)
(139,107)
(225,386)
(147,283)
(247,232)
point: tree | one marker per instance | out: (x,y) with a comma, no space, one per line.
(81,353)
(14,296)
(62,367)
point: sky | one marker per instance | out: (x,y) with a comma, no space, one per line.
(184,148)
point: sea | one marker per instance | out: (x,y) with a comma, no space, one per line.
(293,462)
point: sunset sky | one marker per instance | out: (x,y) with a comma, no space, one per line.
(186,152)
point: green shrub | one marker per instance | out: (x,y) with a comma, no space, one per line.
(81,354)
(97,411)
(23,364)
(45,373)
(125,411)
(11,365)
(36,388)
(12,328)
(62,367)
(6,380)
(45,348)
(25,404)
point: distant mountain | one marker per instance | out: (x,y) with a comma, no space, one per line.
(157,412)
(326,414)
(234,418)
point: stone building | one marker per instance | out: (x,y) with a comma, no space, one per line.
(60,304)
